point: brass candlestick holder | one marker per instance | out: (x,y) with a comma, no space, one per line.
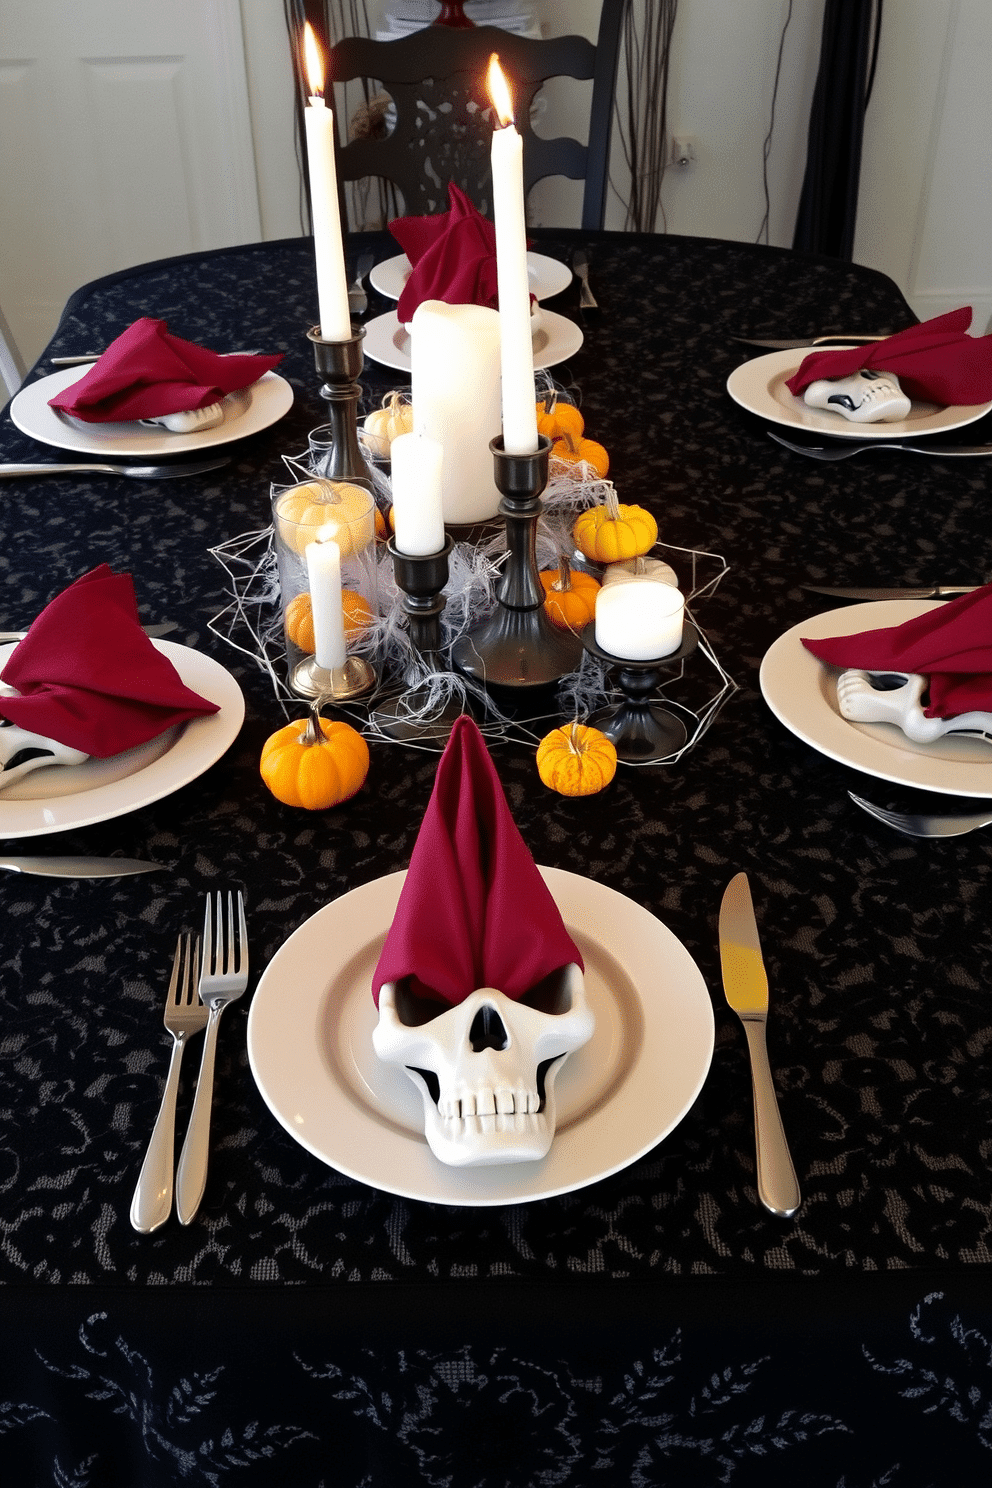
(517,646)
(416,714)
(338,685)
(642,732)
(339,364)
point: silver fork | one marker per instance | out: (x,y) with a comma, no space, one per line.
(916,824)
(222,980)
(185,1015)
(859,447)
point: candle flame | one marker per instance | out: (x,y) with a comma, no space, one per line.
(329,534)
(499,91)
(313,61)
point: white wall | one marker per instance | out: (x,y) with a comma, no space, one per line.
(925,212)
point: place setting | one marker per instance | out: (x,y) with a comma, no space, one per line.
(906,391)
(152,395)
(378,1037)
(900,689)
(452,257)
(97,719)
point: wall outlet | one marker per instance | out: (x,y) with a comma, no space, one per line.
(683,150)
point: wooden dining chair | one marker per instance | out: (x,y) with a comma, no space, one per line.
(431,121)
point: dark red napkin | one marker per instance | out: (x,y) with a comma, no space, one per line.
(453,257)
(935,361)
(147,373)
(474,911)
(89,677)
(951,645)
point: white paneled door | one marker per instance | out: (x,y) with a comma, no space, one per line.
(124,137)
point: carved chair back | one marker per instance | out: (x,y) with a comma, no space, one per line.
(432,121)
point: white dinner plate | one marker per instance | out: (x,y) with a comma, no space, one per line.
(245,412)
(759,386)
(61,797)
(310,1049)
(547,276)
(802,693)
(388,342)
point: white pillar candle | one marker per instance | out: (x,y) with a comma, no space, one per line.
(454,370)
(416,477)
(332,281)
(324,575)
(513,283)
(640,620)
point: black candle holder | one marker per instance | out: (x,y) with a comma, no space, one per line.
(642,732)
(422,578)
(339,364)
(517,646)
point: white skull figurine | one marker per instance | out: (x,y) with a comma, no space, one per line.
(894,697)
(867,397)
(486,1067)
(21,752)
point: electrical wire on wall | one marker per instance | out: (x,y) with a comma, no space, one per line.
(642,121)
(763,229)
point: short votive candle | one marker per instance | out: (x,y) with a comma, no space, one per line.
(639,620)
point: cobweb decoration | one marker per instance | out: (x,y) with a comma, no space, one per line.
(252,623)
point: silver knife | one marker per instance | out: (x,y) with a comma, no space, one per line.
(154,631)
(746,987)
(800,341)
(136,472)
(79,867)
(94,356)
(580,263)
(877,591)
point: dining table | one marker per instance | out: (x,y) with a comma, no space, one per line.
(352,1312)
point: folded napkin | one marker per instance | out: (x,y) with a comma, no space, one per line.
(936,361)
(88,676)
(950,644)
(474,910)
(452,257)
(147,373)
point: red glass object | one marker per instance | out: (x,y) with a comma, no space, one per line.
(453,14)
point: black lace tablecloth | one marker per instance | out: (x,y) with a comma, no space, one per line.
(656,1318)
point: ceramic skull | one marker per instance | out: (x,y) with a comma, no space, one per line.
(22,751)
(896,697)
(867,397)
(486,1067)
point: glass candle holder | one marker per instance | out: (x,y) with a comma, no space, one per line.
(325,537)
(320,443)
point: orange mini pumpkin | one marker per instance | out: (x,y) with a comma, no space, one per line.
(576,760)
(610,532)
(299,619)
(557,419)
(569,596)
(574,450)
(314,763)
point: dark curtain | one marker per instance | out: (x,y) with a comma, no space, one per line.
(828,206)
